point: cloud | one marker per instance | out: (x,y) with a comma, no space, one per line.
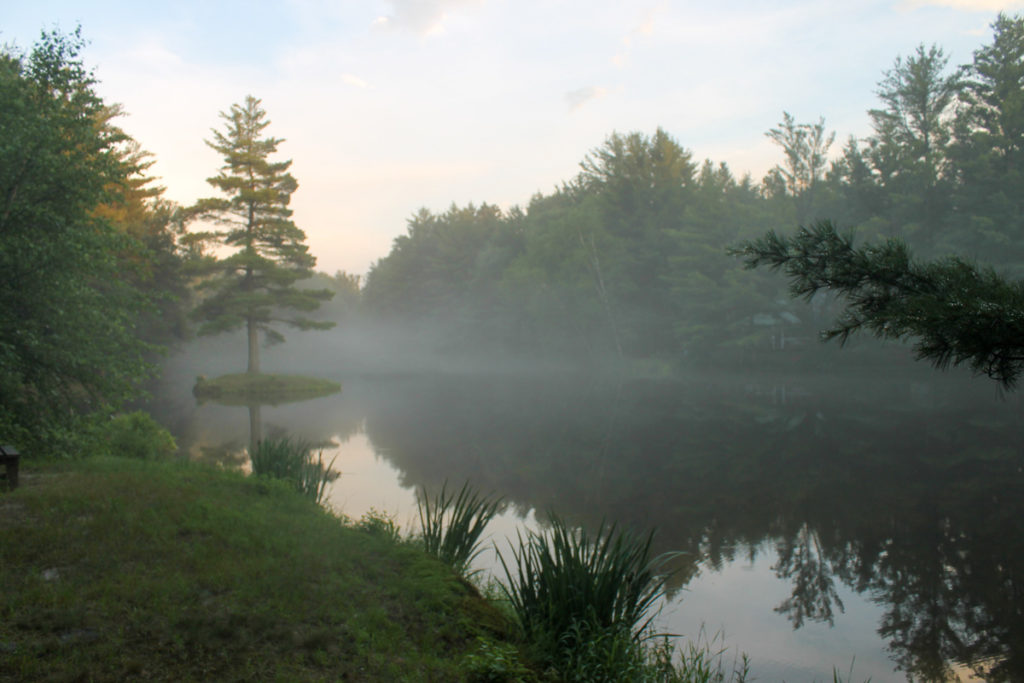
(577,98)
(423,17)
(349,79)
(967,5)
(644,28)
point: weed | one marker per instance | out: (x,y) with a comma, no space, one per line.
(495,663)
(702,660)
(838,677)
(377,523)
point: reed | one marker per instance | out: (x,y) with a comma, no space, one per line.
(451,524)
(293,461)
(566,587)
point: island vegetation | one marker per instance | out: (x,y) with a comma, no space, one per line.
(245,388)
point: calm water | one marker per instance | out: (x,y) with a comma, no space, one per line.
(874,520)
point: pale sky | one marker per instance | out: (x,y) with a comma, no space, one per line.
(387,106)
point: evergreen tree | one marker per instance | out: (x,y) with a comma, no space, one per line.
(956,312)
(806,146)
(254,286)
(989,149)
(908,151)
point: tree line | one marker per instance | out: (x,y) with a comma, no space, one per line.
(629,258)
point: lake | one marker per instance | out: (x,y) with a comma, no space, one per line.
(871,521)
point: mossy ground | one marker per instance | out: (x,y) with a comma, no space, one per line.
(116,569)
(244,388)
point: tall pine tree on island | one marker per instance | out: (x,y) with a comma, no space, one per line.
(255,285)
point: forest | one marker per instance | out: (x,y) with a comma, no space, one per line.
(630,258)
(625,265)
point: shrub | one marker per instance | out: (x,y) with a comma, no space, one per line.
(496,663)
(137,435)
(377,523)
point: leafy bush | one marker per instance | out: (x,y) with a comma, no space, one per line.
(451,526)
(137,435)
(377,523)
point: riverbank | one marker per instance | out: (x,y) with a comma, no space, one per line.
(117,569)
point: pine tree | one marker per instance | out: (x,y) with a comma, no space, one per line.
(957,313)
(988,150)
(254,286)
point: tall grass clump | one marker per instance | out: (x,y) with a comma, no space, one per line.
(703,660)
(582,600)
(451,524)
(293,461)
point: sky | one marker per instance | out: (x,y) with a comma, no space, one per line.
(388,106)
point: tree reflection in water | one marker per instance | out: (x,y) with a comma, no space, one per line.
(907,491)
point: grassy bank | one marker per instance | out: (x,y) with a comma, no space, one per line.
(244,388)
(116,569)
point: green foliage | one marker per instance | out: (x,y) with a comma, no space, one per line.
(69,347)
(137,435)
(702,660)
(451,524)
(628,259)
(381,524)
(988,150)
(496,662)
(293,461)
(254,286)
(957,312)
(567,588)
(245,388)
(805,146)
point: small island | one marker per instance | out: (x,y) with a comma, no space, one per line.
(246,388)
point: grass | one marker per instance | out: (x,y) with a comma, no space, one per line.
(244,388)
(703,660)
(120,569)
(292,461)
(128,569)
(451,525)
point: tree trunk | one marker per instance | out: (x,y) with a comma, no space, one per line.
(254,347)
(255,428)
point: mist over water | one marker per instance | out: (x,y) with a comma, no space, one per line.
(821,516)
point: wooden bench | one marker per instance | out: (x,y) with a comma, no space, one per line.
(9,459)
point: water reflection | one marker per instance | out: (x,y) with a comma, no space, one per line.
(904,493)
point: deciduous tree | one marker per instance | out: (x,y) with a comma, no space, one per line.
(69,347)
